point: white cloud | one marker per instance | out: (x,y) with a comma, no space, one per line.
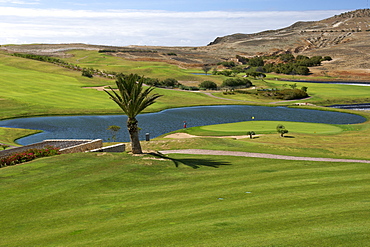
(139,27)
(20,2)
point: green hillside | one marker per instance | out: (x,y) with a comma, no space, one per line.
(120,200)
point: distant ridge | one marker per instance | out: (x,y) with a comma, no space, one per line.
(344,37)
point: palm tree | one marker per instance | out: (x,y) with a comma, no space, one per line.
(132,99)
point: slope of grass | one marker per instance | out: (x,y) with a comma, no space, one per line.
(153,69)
(120,200)
(9,135)
(31,88)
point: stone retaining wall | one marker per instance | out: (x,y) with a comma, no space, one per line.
(117,148)
(92,144)
(65,146)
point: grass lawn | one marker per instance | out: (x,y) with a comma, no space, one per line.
(264,127)
(9,135)
(152,69)
(32,88)
(120,200)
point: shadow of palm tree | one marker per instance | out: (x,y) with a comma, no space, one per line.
(193,163)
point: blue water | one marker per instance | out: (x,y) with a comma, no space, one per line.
(156,124)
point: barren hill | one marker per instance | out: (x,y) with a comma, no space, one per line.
(344,37)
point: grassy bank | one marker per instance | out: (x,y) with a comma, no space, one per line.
(120,200)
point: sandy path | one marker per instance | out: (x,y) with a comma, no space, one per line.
(185,135)
(258,155)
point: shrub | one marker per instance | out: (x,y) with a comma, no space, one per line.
(281,130)
(170,82)
(87,73)
(28,155)
(236,82)
(208,85)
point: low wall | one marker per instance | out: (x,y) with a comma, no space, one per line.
(65,146)
(94,144)
(117,148)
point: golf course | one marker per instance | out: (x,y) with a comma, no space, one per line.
(174,199)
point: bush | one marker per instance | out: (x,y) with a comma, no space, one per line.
(170,82)
(289,94)
(28,155)
(208,85)
(87,73)
(237,82)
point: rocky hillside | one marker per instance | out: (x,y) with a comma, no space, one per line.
(345,37)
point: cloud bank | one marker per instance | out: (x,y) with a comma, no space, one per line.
(139,27)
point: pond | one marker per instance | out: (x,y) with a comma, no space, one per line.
(95,127)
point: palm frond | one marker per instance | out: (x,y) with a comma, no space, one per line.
(132,97)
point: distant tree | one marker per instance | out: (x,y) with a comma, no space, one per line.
(227,64)
(170,82)
(301,57)
(206,68)
(281,130)
(327,58)
(242,60)
(256,62)
(236,82)
(251,134)
(256,74)
(302,70)
(87,73)
(287,57)
(208,85)
(114,129)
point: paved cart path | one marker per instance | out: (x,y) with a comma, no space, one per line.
(258,155)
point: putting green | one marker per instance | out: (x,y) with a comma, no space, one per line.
(264,127)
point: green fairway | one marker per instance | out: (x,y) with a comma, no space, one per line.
(263,127)
(32,88)
(119,200)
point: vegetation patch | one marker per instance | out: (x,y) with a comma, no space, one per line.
(27,155)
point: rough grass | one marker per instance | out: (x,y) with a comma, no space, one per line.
(120,200)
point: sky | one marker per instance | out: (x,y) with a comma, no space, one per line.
(149,22)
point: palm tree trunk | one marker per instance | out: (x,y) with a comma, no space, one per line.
(134,135)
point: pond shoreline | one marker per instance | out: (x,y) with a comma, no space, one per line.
(95,126)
